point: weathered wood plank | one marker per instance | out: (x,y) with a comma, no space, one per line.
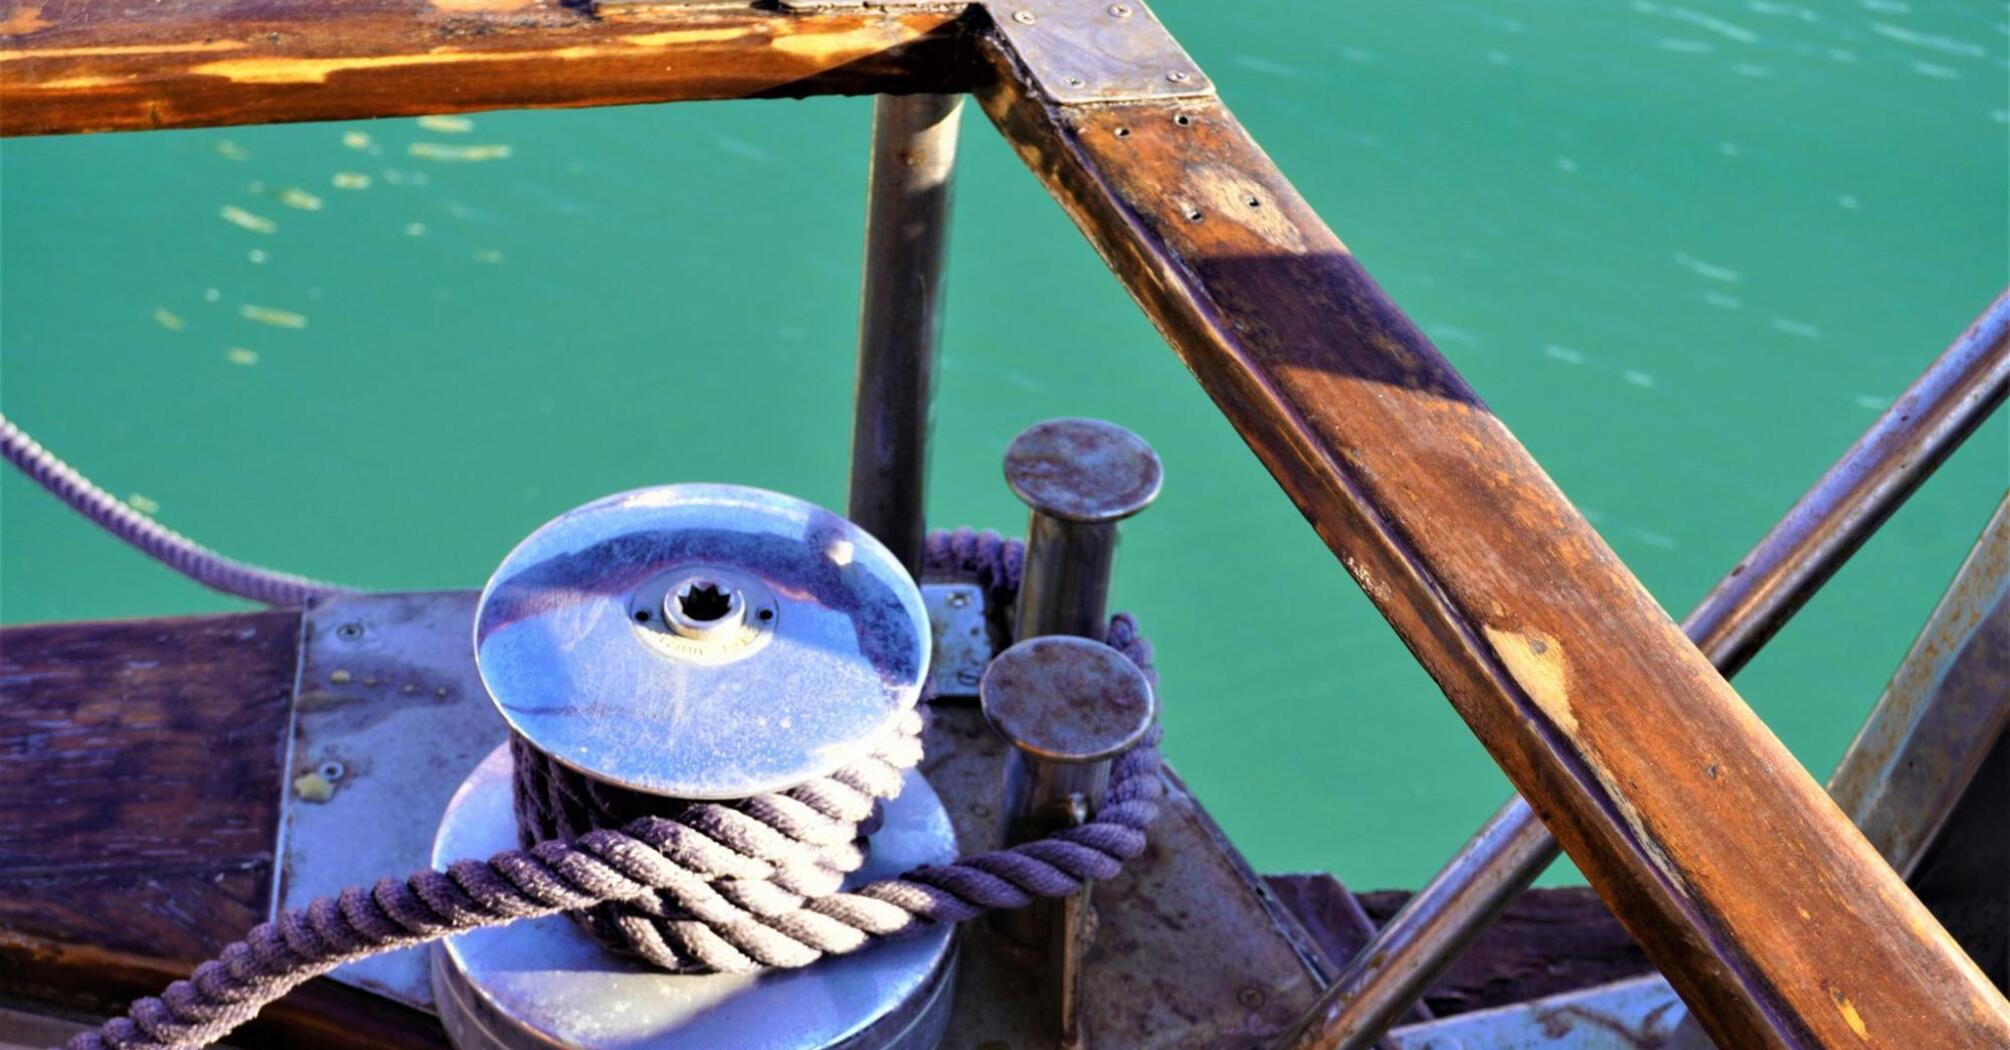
(140,780)
(1334,919)
(109,65)
(1549,941)
(1772,915)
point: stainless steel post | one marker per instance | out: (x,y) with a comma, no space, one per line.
(1068,706)
(906,234)
(1080,477)
(1899,451)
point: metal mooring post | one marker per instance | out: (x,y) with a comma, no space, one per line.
(1080,477)
(1069,706)
(906,233)
(1067,703)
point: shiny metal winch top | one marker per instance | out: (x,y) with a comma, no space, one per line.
(702,641)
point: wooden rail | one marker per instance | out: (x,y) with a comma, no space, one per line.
(1774,918)
(110,65)
(1771,914)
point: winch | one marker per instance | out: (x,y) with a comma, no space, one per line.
(679,766)
(662,649)
(679,769)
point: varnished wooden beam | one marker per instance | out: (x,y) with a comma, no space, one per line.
(1774,918)
(140,780)
(110,65)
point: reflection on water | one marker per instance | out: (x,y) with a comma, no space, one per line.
(1687,250)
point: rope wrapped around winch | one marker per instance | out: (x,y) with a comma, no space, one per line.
(703,887)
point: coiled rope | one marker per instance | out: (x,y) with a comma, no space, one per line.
(150,537)
(745,885)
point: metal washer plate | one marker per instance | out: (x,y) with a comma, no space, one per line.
(542,983)
(569,667)
(1086,51)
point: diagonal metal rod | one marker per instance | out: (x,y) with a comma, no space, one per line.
(1746,608)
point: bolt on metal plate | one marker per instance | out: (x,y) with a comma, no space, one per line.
(388,717)
(1098,50)
(962,639)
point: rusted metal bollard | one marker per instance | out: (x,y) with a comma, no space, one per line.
(1066,702)
(1068,706)
(1080,477)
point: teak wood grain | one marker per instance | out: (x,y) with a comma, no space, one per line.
(140,781)
(110,65)
(1773,917)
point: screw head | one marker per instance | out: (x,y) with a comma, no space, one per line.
(1025,18)
(1178,76)
(1073,81)
(1121,10)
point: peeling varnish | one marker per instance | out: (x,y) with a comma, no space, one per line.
(1849,1015)
(476,7)
(1656,854)
(682,36)
(1226,192)
(1375,588)
(318,70)
(868,39)
(123,49)
(1536,662)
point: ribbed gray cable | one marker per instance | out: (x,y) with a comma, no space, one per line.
(150,537)
(718,887)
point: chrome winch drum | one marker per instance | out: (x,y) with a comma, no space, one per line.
(696,642)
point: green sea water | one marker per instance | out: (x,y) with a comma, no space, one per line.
(1687,251)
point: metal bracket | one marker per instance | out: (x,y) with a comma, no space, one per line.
(1077,51)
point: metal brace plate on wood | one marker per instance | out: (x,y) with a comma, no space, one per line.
(1078,51)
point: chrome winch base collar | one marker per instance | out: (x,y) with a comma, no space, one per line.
(545,984)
